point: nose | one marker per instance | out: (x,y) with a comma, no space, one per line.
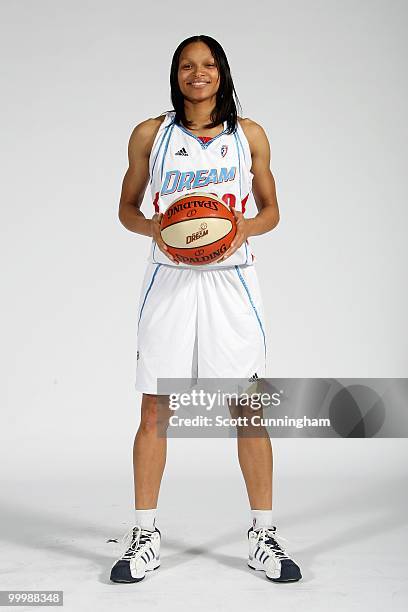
(198,72)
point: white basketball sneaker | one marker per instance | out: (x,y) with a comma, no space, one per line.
(266,554)
(142,554)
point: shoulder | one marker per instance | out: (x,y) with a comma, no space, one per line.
(254,133)
(144,133)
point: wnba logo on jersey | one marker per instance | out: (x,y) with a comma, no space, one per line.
(175,180)
(224,150)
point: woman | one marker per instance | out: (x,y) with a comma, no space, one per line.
(202,143)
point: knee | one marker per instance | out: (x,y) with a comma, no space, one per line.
(152,414)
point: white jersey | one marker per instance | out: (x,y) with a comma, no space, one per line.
(181,162)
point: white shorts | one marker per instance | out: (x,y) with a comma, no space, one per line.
(199,324)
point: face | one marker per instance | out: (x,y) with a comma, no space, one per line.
(198,75)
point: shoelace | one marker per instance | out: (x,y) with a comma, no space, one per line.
(136,540)
(270,539)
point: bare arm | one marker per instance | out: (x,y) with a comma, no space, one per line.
(135,182)
(136,179)
(263,183)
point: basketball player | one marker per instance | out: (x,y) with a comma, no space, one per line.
(201,143)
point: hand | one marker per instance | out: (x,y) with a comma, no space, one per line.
(156,235)
(241,235)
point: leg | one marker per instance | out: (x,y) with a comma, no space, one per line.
(255,459)
(142,547)
(149,452)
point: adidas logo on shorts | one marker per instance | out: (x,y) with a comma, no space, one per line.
(253,378)
(182,152)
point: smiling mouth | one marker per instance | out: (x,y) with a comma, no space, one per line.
(199,84)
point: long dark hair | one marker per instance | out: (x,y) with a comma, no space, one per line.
(225,106)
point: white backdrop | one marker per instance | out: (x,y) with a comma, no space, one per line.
(327,81)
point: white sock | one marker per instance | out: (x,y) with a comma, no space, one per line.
(146,518)
(261,518)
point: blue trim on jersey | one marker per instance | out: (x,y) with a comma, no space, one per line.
(158,150)
(165,151)
(154,248)
(239,169)
(240,142)
(242,146)
(147,292)
(246,252)
(204,145)
(252,303)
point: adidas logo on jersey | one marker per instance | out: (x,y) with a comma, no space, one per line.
(182,152)
(253,378)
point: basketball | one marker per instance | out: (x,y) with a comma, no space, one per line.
(198,228)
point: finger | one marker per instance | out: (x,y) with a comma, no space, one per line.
(159,241)
(228,253)
(170,256)
(234,245)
